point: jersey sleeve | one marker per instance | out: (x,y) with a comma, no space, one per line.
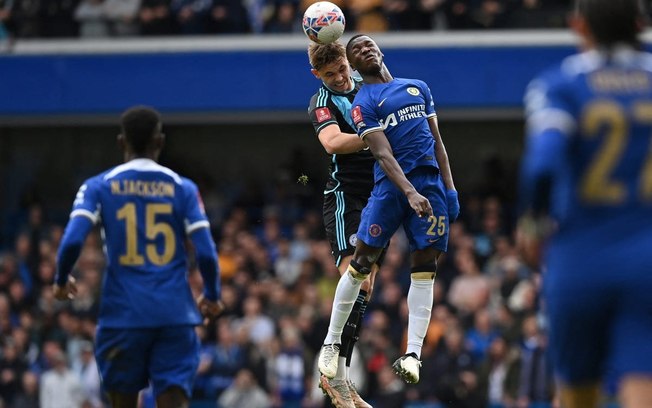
(87,201)
(550,123)
(548,105)
(320,114)
(430,103)
(364,117)
(194,214)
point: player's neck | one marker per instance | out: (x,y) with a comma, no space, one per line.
(381,77)
(133,156)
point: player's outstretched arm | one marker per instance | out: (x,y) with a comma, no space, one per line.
(337,142)
(382,151)
(71,244)
(208,303)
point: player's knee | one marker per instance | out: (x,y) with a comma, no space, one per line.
(172,397)
(358,271)
(424,272)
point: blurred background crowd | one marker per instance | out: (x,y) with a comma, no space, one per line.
(118,18)
(485,346)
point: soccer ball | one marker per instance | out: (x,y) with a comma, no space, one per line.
(323,22)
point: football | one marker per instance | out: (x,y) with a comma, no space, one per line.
(323,22)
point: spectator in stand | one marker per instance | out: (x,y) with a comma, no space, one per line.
(89,377)
(244,392)
(498,374)
(12,367)
(28,396)
(60,387)
(123,16)
(536,379)
(92,19)
(191,16)
(155,18)
(284,18)
(480,336)
(26,18)
(220,363)
(57,18)
(6,9)
(229,17)
(469,291)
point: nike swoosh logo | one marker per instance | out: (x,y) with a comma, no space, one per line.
(432,241)
(381,102)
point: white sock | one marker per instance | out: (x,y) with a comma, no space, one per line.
(419,300)
(341,368)
(345,295)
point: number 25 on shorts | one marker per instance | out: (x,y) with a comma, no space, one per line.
(437,225)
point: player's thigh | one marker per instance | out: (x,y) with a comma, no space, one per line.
(579,304)
(631,352)
(386,209)
(342,214)
(122,356)
(429,232)
(174,359)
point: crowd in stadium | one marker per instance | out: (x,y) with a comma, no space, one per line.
(485,344)
(107,18)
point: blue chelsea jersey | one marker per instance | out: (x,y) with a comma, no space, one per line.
(598,108)
(401,109)
(146,211)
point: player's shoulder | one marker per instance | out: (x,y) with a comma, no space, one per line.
(97,180)
(557,77)
(571,69)
(320,98)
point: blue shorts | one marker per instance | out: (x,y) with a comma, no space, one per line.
(128,359)
(599,306)
(388,209)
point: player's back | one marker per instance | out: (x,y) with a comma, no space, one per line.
(145,210)
(604,189)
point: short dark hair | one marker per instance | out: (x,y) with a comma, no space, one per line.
(613,22)
(321,55)
(348,44)
(139,125)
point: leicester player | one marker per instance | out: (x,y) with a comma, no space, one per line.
(347,190)
(147,314)
(588,163)
(413,187)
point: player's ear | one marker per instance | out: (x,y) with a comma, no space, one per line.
(122,142)
(315,73)
(578,24)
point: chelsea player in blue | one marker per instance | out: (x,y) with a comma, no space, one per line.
(413,187)
(588,163)
(147,313)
